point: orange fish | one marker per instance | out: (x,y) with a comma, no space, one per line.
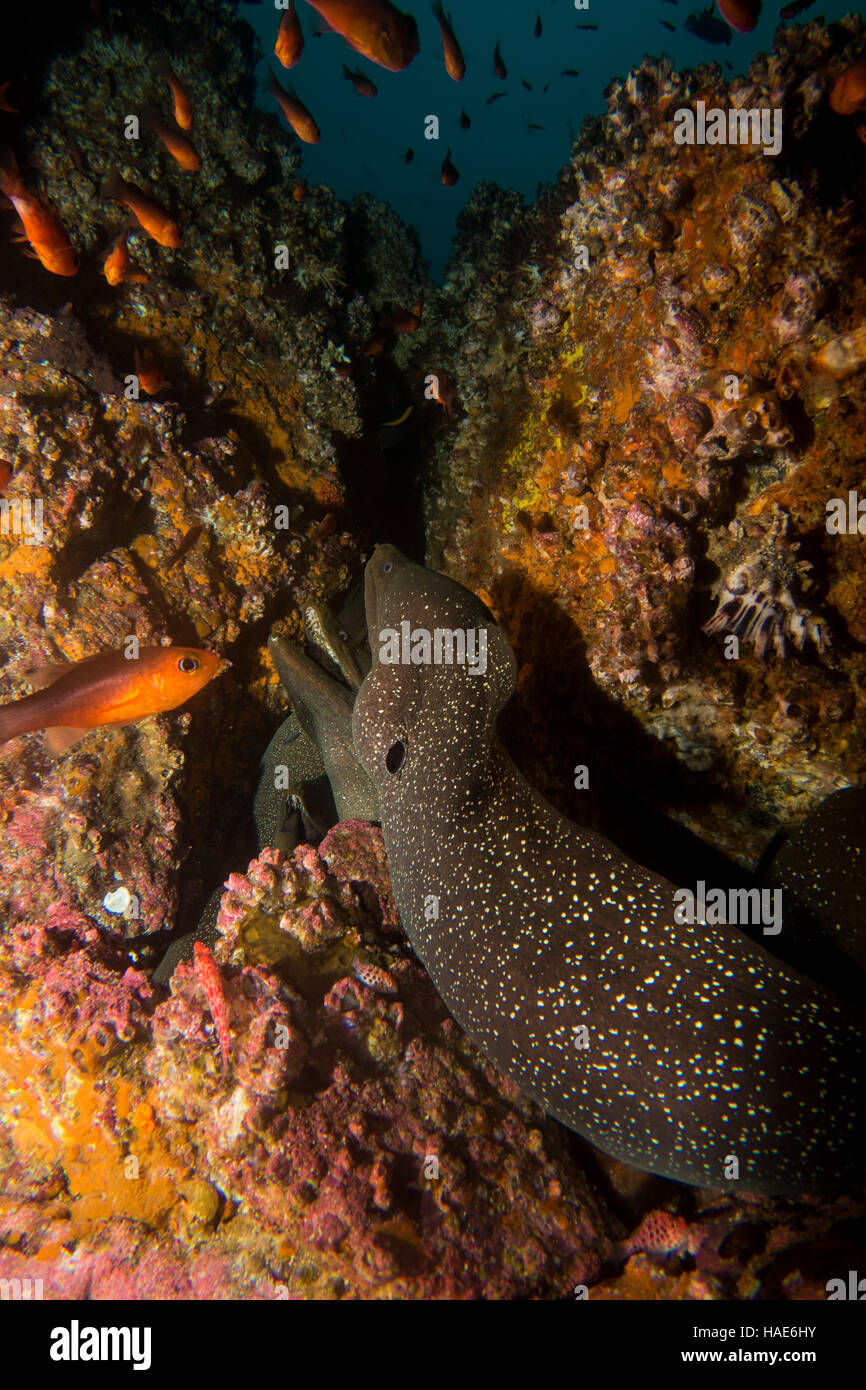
(116,266)
(406,321)
(375,28)
(363,85)
(179,147)
(6,473)
(449,173)
(741,15)
(208,975)
(296,113)
(182,103)
(4,104)
(375,344)
(299,192)
(454,64)
(849,92)
(40,224)
(106,689)
(290,40)
(148,369)
(150,215)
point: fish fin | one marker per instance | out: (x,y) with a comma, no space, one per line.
(31,255)
(322,27)
(60,740)
(40,677)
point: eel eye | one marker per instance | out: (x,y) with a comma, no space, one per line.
(388,566)
(187,664)
(396,756)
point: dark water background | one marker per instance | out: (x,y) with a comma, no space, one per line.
(364,140)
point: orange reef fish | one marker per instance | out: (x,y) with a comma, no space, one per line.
(106,689)
(116,266)
(149,214)
(454,62)
(408,321)
(290,40)
(182,103)
(4,103)
(40,225)
(449,173)
(742,15)
(208,975)
(375,28)
(179,147)
(375,344)
(296,113)
(363,85)
(149,370)
(849,92)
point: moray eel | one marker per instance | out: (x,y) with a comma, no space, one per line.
(314,746)
(686,1051)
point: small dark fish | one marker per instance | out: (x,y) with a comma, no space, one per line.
(326,527)
(570,72)
(527,85)
(495,97)
(676,2)
(409,156)
(465,120)
(796,7)
(363,85)
(707,26)
(498,65)
(537,30)
(449,173)
(184,546)
(586,26)
(531,125)
(665,25)
(545,87)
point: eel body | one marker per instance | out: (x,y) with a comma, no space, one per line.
(685,1050)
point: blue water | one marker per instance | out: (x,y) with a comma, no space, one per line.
(363,140)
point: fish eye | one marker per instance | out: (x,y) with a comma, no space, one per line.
(396,756)
(187,664)
(388,566)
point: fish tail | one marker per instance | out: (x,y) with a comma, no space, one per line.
(113,187)
(438,10)
(10,178)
